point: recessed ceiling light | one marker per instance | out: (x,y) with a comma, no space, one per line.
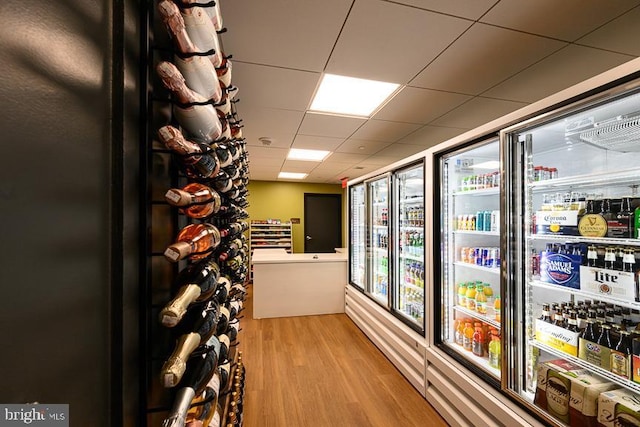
(308,155)
(350,95)
(292,175)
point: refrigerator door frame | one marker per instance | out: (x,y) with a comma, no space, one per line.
(368,255)
(421,329)
(366,235)
(438,238)
(607,92)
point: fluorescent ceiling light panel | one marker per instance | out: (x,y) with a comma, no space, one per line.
(350,96)
(307,155)
(292,175)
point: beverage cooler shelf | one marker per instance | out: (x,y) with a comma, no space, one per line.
(583,363)
(476,315)
(414,287)
(482,362)
(412,257)
(411,200)
(478,233)
(584,239)
(578,292)
(625,177)
(477,267)
(481,192)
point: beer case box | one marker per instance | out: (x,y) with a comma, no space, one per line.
(610,283)
(583,401)
(619,407)
(560,269)
(595,354)
(544,370)
(563,223)
(559,338)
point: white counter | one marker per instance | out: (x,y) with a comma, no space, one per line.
(287,285)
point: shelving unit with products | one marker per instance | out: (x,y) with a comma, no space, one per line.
(580,256)
(271,234)
(470,265)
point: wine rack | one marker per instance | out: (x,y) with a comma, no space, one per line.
(163,222)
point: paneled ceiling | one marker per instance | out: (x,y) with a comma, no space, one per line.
(462,63)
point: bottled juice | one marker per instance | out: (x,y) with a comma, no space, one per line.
(494,351)
(481,300)
(467,340)
(471,296)
(459,336)
(496,305)
(462,294)
(477,345)
(488,293)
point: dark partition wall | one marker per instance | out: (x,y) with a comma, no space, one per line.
(69,209)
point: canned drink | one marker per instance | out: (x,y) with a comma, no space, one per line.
(485,257)
(486,223)
(464,251)
(495,220)
(493,258)
(460,224)
(477,256)
(480,220)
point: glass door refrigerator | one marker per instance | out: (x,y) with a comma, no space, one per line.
(378,200)
(357,236)
(408,256)
(573,251)
(467,257)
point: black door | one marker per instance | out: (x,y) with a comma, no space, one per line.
(322,222)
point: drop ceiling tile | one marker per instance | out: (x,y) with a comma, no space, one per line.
(306,31)
(329,125)
(311,142)
(483,57)
(463,8)
(332,167)
(419,106)
(620,35)
(391,42)
(428,136)
(559,71)
(273,87)
(266,162)
(264,175)
(565,20)
(278,125)
(346,158)
(399,151)
(298,166)
(361,146)
(385,131)
(267,152)
(477,112)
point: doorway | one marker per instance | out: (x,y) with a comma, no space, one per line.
(322,222)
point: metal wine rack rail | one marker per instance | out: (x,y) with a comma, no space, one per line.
(160,223)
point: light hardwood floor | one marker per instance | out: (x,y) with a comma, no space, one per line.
(321,371)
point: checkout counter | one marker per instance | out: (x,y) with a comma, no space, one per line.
(299,284)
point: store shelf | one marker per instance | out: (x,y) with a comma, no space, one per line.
(412,286)
(584,239)
(495,270)
(482,362)
(413,257)
(411,200)
(476,315)
(586,294)
(583,363)
(411,227)
(483,192)
(621,178)
(478,233)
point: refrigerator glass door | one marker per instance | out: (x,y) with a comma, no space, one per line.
(409,301)
(378,242)
(357,236)
(574,257)
(467,216)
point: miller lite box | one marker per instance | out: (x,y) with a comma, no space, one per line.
(619,407)
(560,269)
(557,222)
(610,283)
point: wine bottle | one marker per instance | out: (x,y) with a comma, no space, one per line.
(200,121)
(222,116)
(224,71)
(223,153)
(234,306)
(195,200)
(234,229)
(200,407)
(225,344)
(224,369)
(223,320)
(202,32)
(238,291)
(228,250)
(215,15)
(196,283)
(195,241)
(197,330)
(198,372)
(222,182)
(199,73)
(222,290)
(196,159)
(232,331)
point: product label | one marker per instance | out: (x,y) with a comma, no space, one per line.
(557,337)
(617,284)
(560,269)
(558,388)
(619,364)
(592,225)
(557,222)
(172,196)
(595,354)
